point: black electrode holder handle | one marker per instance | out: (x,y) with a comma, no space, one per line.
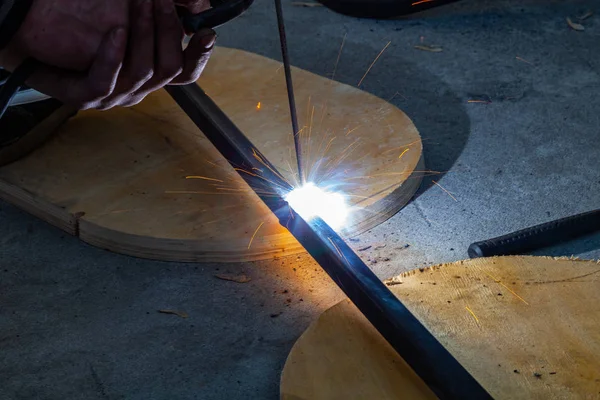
(539,236)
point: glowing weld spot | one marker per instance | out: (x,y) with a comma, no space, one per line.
(310,201)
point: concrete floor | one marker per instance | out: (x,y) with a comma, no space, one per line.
(77,322)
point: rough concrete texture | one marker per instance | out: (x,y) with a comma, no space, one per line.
(77,322)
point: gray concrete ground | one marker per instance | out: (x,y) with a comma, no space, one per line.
(77,322)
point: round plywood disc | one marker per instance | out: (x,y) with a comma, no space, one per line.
(145,181)
(524,327)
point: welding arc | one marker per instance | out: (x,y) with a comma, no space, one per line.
(446,377)
(290,89)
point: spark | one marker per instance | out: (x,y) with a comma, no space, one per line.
(328,145)
(263,162)
(255,232)
(421,2)
(352,130)
(473,314)
(524,60)
(258,106)
(498,281)
(338,57)
(337,248)
(373,63)
(403,153)
(449,194)
(191,192)
(401,147)
(204,178)
(310,201)
(479,101)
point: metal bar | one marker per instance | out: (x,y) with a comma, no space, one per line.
(415,344)
(539,236)
(290,89)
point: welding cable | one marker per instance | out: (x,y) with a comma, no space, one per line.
(14,82)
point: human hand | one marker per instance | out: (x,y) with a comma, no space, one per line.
(107,53)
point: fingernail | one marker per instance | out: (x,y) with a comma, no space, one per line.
(167,6)
(207,38)
(118,36)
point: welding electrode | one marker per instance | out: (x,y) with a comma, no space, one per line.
(290,89)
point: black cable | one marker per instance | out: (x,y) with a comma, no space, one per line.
(14,83)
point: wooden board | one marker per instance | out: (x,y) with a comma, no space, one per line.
(524,327)
(118,178)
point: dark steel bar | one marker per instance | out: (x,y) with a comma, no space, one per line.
(538,237)
(421,350)
(290,89)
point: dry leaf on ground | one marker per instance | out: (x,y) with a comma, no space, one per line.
(575,25)
(173,312)
(432,48)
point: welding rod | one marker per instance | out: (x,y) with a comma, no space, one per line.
(446,377)
(290,89)
(538,237)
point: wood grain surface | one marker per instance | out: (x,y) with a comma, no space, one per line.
(144,180)
(524,327)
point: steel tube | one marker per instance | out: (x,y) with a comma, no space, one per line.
(413,342)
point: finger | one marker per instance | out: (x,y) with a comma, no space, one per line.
(139,61)
(135,99)
(196,56)
(169,52)
(85,90)
(194,6)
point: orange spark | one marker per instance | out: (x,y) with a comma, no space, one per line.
(352,130)
(338,57)
(449,194)
(373,63)
(337,248)
(403,153)
(203,177)
(498,281)
(258,106)
(421,2)
(479,101)
(255,232)
(191,192)
(473,314)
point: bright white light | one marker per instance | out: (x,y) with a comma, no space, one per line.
(310,201)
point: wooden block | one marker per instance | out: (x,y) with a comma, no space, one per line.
(524,327)
(118,178)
